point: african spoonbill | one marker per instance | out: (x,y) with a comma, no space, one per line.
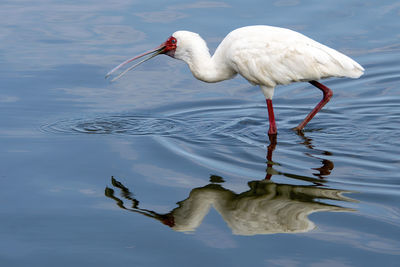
(264,55)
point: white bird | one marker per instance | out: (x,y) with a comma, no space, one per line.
(264,55)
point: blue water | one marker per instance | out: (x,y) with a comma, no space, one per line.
(161,169)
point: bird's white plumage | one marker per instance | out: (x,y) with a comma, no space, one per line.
(265,56)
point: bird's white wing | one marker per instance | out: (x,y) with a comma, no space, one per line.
(284,56)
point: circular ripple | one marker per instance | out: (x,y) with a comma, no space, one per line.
(128,125)
(196,125)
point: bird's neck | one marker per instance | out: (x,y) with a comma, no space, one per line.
(207,68)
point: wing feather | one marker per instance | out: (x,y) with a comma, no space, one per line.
(269,56)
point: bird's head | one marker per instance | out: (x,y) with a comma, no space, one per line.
(169,46)
(179,45)
(188,44)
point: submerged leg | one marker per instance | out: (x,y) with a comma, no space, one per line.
(327,96)
(272,125)
(271,148)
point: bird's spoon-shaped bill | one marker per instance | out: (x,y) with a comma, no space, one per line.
(155,52)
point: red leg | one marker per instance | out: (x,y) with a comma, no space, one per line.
(271,116)
(327,96)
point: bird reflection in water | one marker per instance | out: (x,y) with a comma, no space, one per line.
(266,208)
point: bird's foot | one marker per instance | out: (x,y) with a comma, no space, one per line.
(298,129)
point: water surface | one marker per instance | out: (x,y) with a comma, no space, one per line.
(161,169)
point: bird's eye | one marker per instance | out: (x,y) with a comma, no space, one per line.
(173,41)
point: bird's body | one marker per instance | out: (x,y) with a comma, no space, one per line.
(264,55)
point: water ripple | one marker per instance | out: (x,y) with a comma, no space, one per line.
(213,124)
(116,124)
